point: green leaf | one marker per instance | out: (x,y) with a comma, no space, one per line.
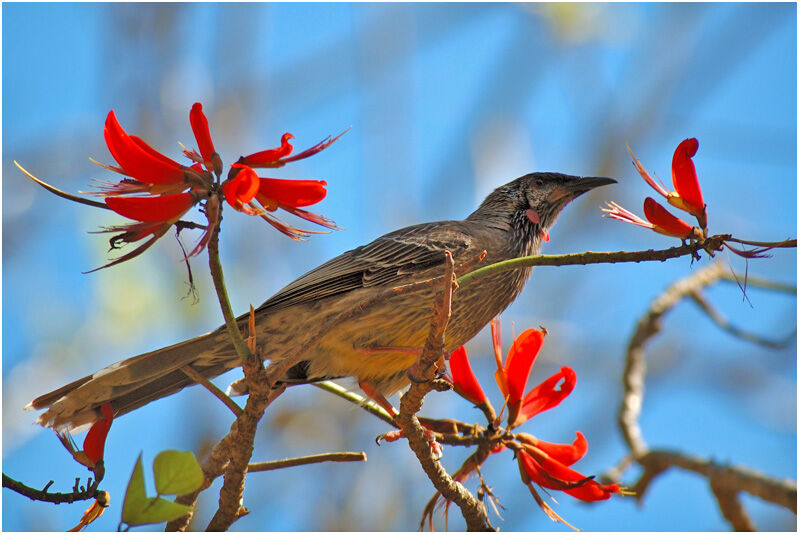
(135,496)
(138,509)
(177,472)
(159,510)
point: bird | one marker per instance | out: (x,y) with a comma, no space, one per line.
(376,345)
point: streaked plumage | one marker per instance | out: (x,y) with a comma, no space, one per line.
(508,224)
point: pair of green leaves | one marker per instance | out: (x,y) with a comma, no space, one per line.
(176,472)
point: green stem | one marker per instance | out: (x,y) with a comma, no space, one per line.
(215,266)
(574,259)
(356,399)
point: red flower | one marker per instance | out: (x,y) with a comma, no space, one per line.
(465,383)
(278,157)
(169,207)
(199,123)
(547,394)
(512,377)
(95,441)
(550,473)
(139,160)
(241,188)
(167,190)
(664,222)
(544,463)
(684,178)
(659,219)
(687,195)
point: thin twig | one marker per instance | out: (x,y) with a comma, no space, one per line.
(787,243)
(363,402)
(259,384)
(217,276)
(725,325)
(736,478)
(78,493)
(713,243)
(763,283)
(214,389)
(338,457)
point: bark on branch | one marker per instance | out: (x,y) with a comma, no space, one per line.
(411,403)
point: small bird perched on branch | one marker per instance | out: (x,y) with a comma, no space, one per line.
(376,344)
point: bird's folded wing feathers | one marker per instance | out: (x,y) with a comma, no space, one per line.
(392,259)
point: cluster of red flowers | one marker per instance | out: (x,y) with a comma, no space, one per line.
(687,197)
(543,463)
(158,191)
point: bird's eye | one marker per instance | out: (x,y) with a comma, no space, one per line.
(539,182)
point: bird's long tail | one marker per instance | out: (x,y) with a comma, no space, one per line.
(136,381)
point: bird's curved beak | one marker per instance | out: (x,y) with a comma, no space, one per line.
(587,183)
(571,190)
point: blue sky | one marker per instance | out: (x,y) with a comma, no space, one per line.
(446,102)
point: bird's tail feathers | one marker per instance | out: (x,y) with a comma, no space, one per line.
(134,382)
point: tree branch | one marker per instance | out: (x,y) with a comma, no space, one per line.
(733,330)
(729,478)
(635,365)
(726,481)
(78,493)
(214,389)
(711,244)
(411,403)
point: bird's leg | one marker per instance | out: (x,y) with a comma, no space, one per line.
(396,434)
(375,395)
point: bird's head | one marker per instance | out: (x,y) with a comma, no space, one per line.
(530,204)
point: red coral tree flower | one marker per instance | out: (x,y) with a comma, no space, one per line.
(687,195)
(546,464)
(658,220)
(158,191)
(95,442)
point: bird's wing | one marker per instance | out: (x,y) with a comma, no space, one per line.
(392,259)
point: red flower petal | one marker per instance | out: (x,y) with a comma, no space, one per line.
(267,157)
(153,152)
(519,363)
(241,189)
(547,394)
(665,222)
(138,162)
(567,454)
(201,133)
(465,383)
(291,192)
(322,145)
(592,491)
(684,176)
(161,208)
(95,441)
(551,474)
